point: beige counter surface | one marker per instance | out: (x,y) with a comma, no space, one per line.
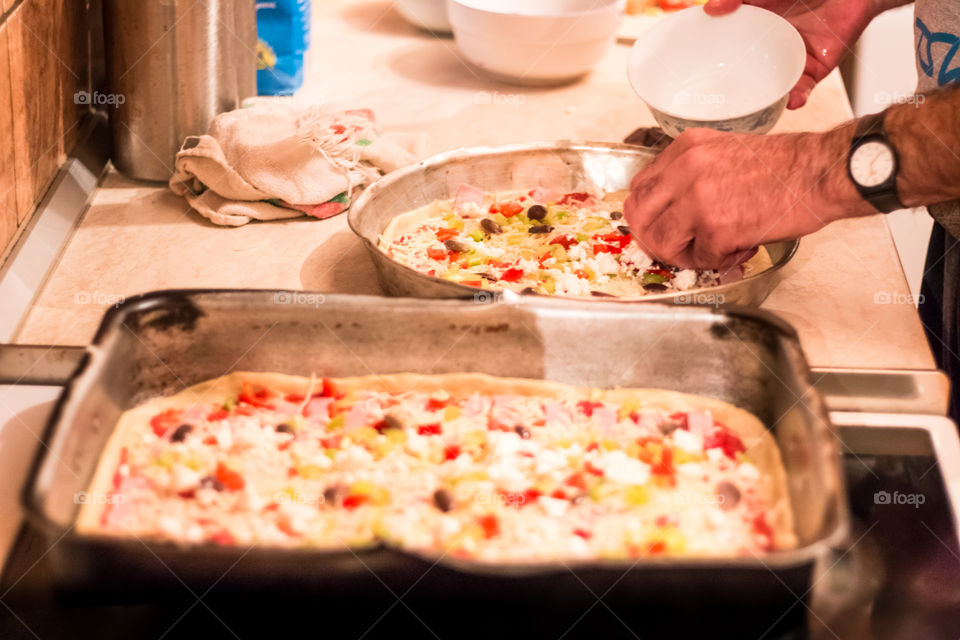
(845,291)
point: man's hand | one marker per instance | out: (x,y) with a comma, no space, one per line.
(711,197)
(829,29)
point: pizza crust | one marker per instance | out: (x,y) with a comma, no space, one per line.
(762,448)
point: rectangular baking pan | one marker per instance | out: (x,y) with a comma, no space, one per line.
(161,342)
(567,166)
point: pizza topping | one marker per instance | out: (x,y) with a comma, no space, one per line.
(728,494)
(210,482)
(181,433)
(165,420)
(492,477)
(537,212)
(490,226)
(443,500)
(554,241)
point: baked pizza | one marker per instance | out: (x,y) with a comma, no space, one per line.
(566,244)
(466,466)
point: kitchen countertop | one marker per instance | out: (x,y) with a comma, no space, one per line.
(845,291)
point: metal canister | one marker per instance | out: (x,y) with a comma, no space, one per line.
(172,66)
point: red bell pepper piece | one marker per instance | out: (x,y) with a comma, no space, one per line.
(230,478)
(587,406)
(430,429)
(353,501)
(510,209)
(566,241)
(490,525)
(255,398)
(512,275)
(165,420)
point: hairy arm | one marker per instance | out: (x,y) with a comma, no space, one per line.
(927,137)
(711,197)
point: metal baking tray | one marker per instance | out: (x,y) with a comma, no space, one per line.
(568,166)
(161,342)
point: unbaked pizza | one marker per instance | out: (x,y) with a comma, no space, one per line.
(566,244)
(468,466)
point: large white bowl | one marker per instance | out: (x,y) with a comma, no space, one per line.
(425,14)
(534,42)
(732,72)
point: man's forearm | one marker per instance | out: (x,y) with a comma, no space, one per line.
(882,5)
(926,134)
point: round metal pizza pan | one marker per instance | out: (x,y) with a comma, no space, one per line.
(569,166)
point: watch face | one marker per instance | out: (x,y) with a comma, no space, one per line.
(872,163)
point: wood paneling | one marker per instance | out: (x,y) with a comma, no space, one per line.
(8,194)
(47,48)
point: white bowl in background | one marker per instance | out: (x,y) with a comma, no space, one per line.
(534,42)
(732,72)
(425,14)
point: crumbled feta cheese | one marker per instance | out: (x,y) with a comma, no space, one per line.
(183,477)
(577,251)
(748,471)
(354,457)
(685,279)
(553,507)
(689,442)
(635,256)
(606,263)
(619,467)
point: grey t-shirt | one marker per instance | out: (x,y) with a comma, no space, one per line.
(936,29)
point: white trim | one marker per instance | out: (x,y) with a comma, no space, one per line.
(36,252)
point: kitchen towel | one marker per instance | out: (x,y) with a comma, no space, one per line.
(275,161)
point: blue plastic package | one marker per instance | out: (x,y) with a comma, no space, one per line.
(283,36)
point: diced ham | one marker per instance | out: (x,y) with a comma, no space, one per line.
(605,418)
(476,405)
(733,274)
(467,193)
(504,410)
(699,423)
(195,413)
(543,196)
(318,407)
(558,415)
(359,415)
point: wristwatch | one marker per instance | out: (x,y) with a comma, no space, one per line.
(873,164)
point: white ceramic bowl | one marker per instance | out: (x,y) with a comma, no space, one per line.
(425,14)
(534,42)
(731,72)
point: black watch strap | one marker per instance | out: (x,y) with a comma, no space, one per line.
(884,197)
